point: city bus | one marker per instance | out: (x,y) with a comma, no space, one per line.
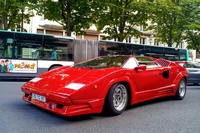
(169,53)
(26,55)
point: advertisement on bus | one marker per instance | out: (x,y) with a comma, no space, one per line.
(18,66)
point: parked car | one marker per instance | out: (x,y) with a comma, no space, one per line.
(109,83)
(193,72)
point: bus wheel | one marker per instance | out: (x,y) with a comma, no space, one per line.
(117,99)
(53,67)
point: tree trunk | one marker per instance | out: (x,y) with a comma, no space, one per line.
(1,24)
(5,21)
(170,39)
(68,27)
(22,21)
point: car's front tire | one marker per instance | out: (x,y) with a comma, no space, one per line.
(117,99)
(181,91)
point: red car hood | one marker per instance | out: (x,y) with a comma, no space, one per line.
(56,81)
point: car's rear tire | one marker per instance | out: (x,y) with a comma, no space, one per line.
(181,91)
(117,99)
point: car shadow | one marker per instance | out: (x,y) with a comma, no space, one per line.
(148,102)
(31,111)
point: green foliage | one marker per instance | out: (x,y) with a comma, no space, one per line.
(192,24)
(193,39)
(172,18)
(11,13)
(166,19)
(119,18)
(73,15)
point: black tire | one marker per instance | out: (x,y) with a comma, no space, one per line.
(181,91)
(117,99)
(53,67)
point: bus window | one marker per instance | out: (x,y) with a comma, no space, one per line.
(112,48)
(156,52)
(183,54)
(171,54)
(129,49)
(138,49)
(28,46)
(57,48)
(6,44)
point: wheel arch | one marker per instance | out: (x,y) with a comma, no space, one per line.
(180,76)
(178,79)
(181,91)
(130,91)
(107,108)
(126,82)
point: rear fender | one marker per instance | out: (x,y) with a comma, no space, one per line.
(178,79)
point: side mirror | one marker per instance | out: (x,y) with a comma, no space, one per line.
(141,67)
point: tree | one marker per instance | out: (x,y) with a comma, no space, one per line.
(167,21)
(193,40)
(192,34)
(172,18)
(12,14)
(119,18)
(73,15)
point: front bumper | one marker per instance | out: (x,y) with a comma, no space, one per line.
(62,105)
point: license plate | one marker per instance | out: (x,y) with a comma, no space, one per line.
(38,97)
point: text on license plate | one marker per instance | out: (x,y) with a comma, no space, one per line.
(38,97)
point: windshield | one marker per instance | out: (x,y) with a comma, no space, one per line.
(103,62)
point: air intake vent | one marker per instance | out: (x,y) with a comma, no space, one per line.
(166,91)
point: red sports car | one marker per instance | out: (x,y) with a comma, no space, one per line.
(108,83)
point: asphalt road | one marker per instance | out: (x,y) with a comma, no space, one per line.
(157,116)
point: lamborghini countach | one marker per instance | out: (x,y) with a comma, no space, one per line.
(109,83)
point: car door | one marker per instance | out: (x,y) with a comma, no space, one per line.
(151,78)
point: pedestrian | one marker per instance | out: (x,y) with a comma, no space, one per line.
(54,55)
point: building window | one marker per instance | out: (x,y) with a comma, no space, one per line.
(155,42)
(197,54)
(141,28)
(128,40)
(142,40)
